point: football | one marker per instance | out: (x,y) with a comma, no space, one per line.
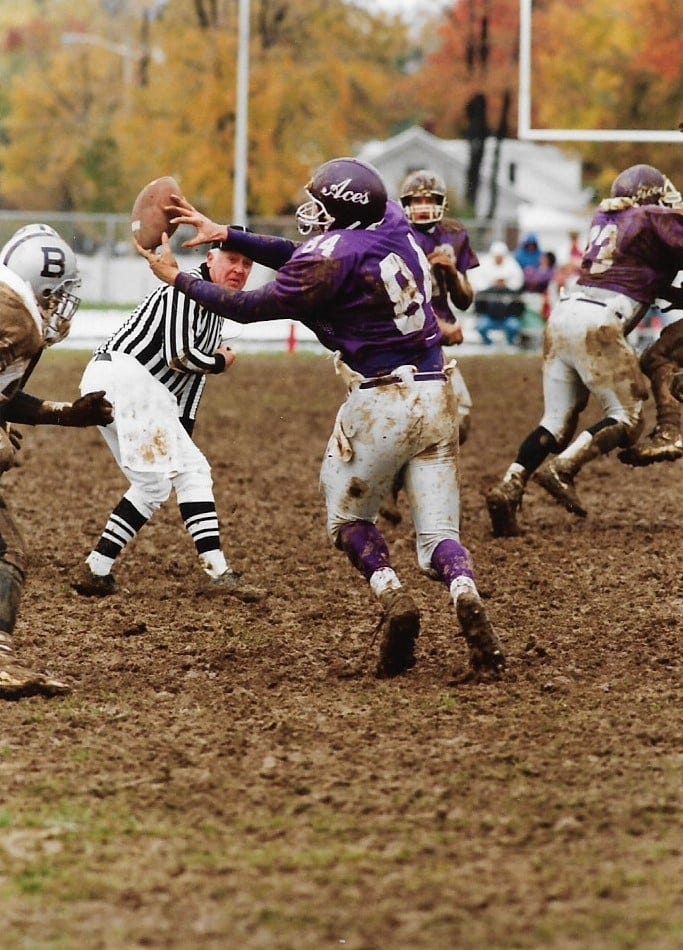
(149,218)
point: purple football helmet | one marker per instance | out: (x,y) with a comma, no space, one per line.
(646,185)
(344,193)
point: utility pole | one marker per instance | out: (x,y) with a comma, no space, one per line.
(239,213)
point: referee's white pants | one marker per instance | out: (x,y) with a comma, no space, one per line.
(146,438)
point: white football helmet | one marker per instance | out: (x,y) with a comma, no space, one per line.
(423,196)
(45,261)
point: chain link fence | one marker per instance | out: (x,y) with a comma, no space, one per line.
(114,275)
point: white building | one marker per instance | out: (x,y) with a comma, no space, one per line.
(539,186)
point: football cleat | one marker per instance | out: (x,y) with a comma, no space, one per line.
(232,583)
(663,444)
(503,502)
(18,682)
(88,584)
(561,487)
(486,652)
(400,628)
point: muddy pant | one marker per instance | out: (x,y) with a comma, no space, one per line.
(12,572)
(411,423)
(585,351)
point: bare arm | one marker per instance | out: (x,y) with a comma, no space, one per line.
(163,264)
(450,280)
(207,230)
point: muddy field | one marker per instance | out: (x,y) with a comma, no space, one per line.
(211,782)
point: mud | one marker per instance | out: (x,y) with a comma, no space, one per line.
(234,775)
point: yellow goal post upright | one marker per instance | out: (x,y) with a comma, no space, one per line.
(524,117)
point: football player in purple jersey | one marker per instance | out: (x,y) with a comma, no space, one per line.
(634,251)
(660,362)
(446,245)
(362,285)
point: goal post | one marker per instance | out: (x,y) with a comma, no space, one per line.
(527,131)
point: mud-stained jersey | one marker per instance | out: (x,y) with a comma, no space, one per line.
(451,237)
(21,331)
(366,293)
(636,251)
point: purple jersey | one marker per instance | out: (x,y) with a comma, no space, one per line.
(450,236)
(365,293)
(636,251)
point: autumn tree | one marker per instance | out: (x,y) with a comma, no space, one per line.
(471,68)
(626,73)
(86,127)
(594,66)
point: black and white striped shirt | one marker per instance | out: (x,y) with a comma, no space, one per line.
(174,338)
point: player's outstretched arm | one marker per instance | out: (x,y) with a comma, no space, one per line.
(92,409)
(163,264)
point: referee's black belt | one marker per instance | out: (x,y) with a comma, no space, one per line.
(390,380)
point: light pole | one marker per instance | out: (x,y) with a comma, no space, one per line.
(239,207)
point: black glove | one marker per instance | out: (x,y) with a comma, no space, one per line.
(90,410)
(15,437)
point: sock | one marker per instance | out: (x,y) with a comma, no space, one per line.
(462,585)
(99,564)
(535,449)
(364,546)
(383,580)
(580,443)
(124,523)
(516,469)
(213,563)
(201,521)
(452,561)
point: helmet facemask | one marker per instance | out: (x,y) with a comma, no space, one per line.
(423,197)
(427,210)
(671,197)
(57,308)
(311,215)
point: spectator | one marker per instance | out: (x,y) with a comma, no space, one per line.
(528,255)
(538,279)
(499,305)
